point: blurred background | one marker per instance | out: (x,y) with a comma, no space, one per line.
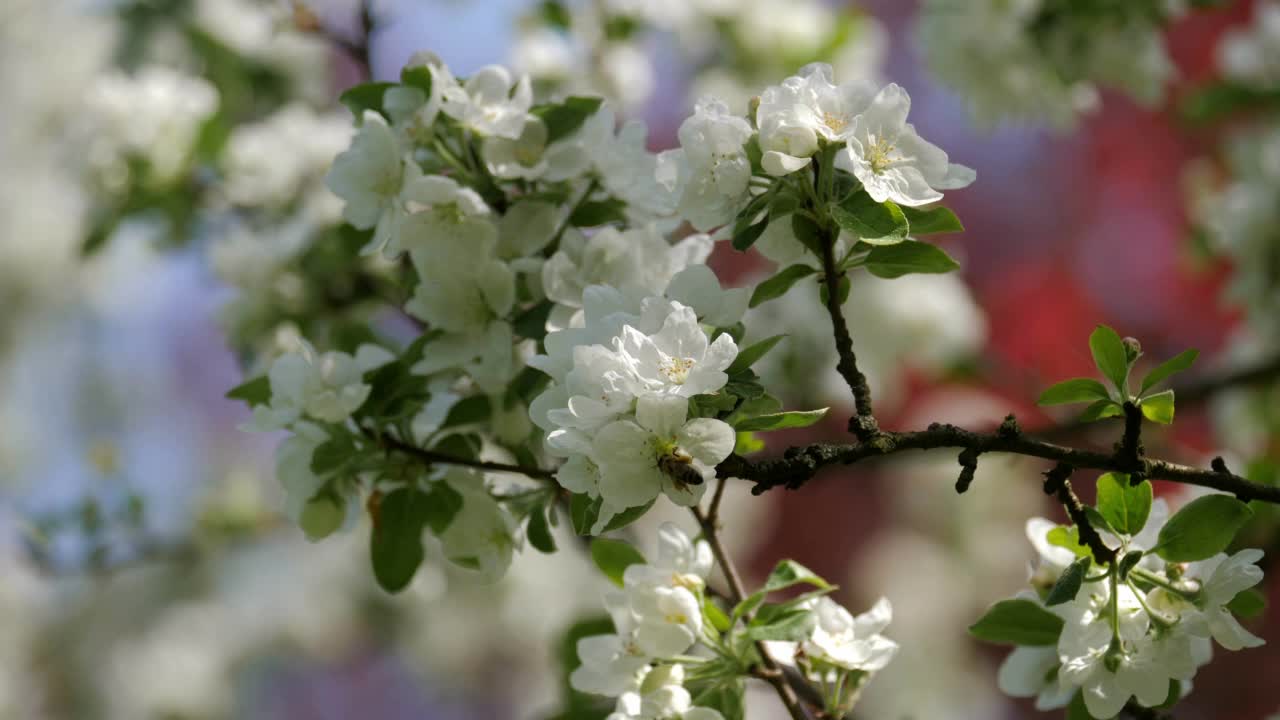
(163,169)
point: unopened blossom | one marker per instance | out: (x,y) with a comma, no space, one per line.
(806,108)
(893,162)
(487,103)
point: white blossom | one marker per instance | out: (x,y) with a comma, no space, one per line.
(487,103)
(324,386)
(481,537)
(713,170)
(893,162)
(369,177)
(529,157)
(804,109)
(678,360)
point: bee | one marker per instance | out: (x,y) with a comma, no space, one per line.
(679,467)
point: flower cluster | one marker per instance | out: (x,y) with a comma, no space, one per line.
(619,408)
(1252,55)
(664,620)
(1136,629)
(1045,59)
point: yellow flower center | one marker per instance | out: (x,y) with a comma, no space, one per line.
(837,123)
(676,369)
(878,155)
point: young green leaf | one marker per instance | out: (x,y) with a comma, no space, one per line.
(613,557)
(1069,538)
(781,421)
(368,96)
(583,512)
(1125,507)
(1068,585)
(781,622)
(1110,356)
(1248,603)
(907,257)
(727,697)
(807,232)
(1018,622)
(1158,408)
(1128,562)
(418,76)
(254,392)
(1076,390)
(442,504)
(788,573)
(746,235)
(928,221)
(563,118)
(395,545)
(1102,409)
(715,615)
(750,354)
(599,212)
(871,222)
(1203,528)
(1173,365)
(779,284)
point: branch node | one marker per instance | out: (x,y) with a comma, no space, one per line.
(1009,429)
(1220,466)
(968,466)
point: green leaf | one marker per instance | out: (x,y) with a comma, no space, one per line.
(254,392)
(539,532)
(928,221)
(1248,603)
(781,622)
(1097,520)
(468,411)
(1018,622)
(1101,409)
(1069,538)
(1124,506)
(367,96)
(583,512)
(779,284)
(563,118)
(532,323)
(1127,563)
(1203,528)
(726,697)
(417,76)
(747,443)
(871,222)
(1077,710)
(322,516)
(1158,408)
(599,212)
(613,557)
(1222,99)
(1172,366)
(1110,356)
(907,257)
(331,455)
(781,421)
(442,505)
(750,354)
(715,615)
(555,14)
(789,573)
(746,235)
(807,232)
(395,546)
(1069,582)
(843,286)
(1075,390)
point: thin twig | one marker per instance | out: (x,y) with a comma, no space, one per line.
(431,457)
(771,672)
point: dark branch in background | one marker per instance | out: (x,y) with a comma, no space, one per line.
(305,19)
(800,464)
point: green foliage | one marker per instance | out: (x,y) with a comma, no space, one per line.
(1069,582)
(929,221)
(417,76)
(395,546)
(908,257)
(1124,506)
(1158,408)
(1203,528)
(1110,356)
(779,284)
(584,511)
(1172,366)
(726,696)
(564,118)
(333,454)
(1069,538)
(599,212)
(539,530)
(1128,562)
(781,421)
(808,233)
(750,354)
(577,705)
(1219,100)
(254,392)
(1075,390)
(781,621)
(322,516)
(1017,622)
(1102,409)
(1248,603)
(871,222)
(366,96)
(613,557)
(746,234)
